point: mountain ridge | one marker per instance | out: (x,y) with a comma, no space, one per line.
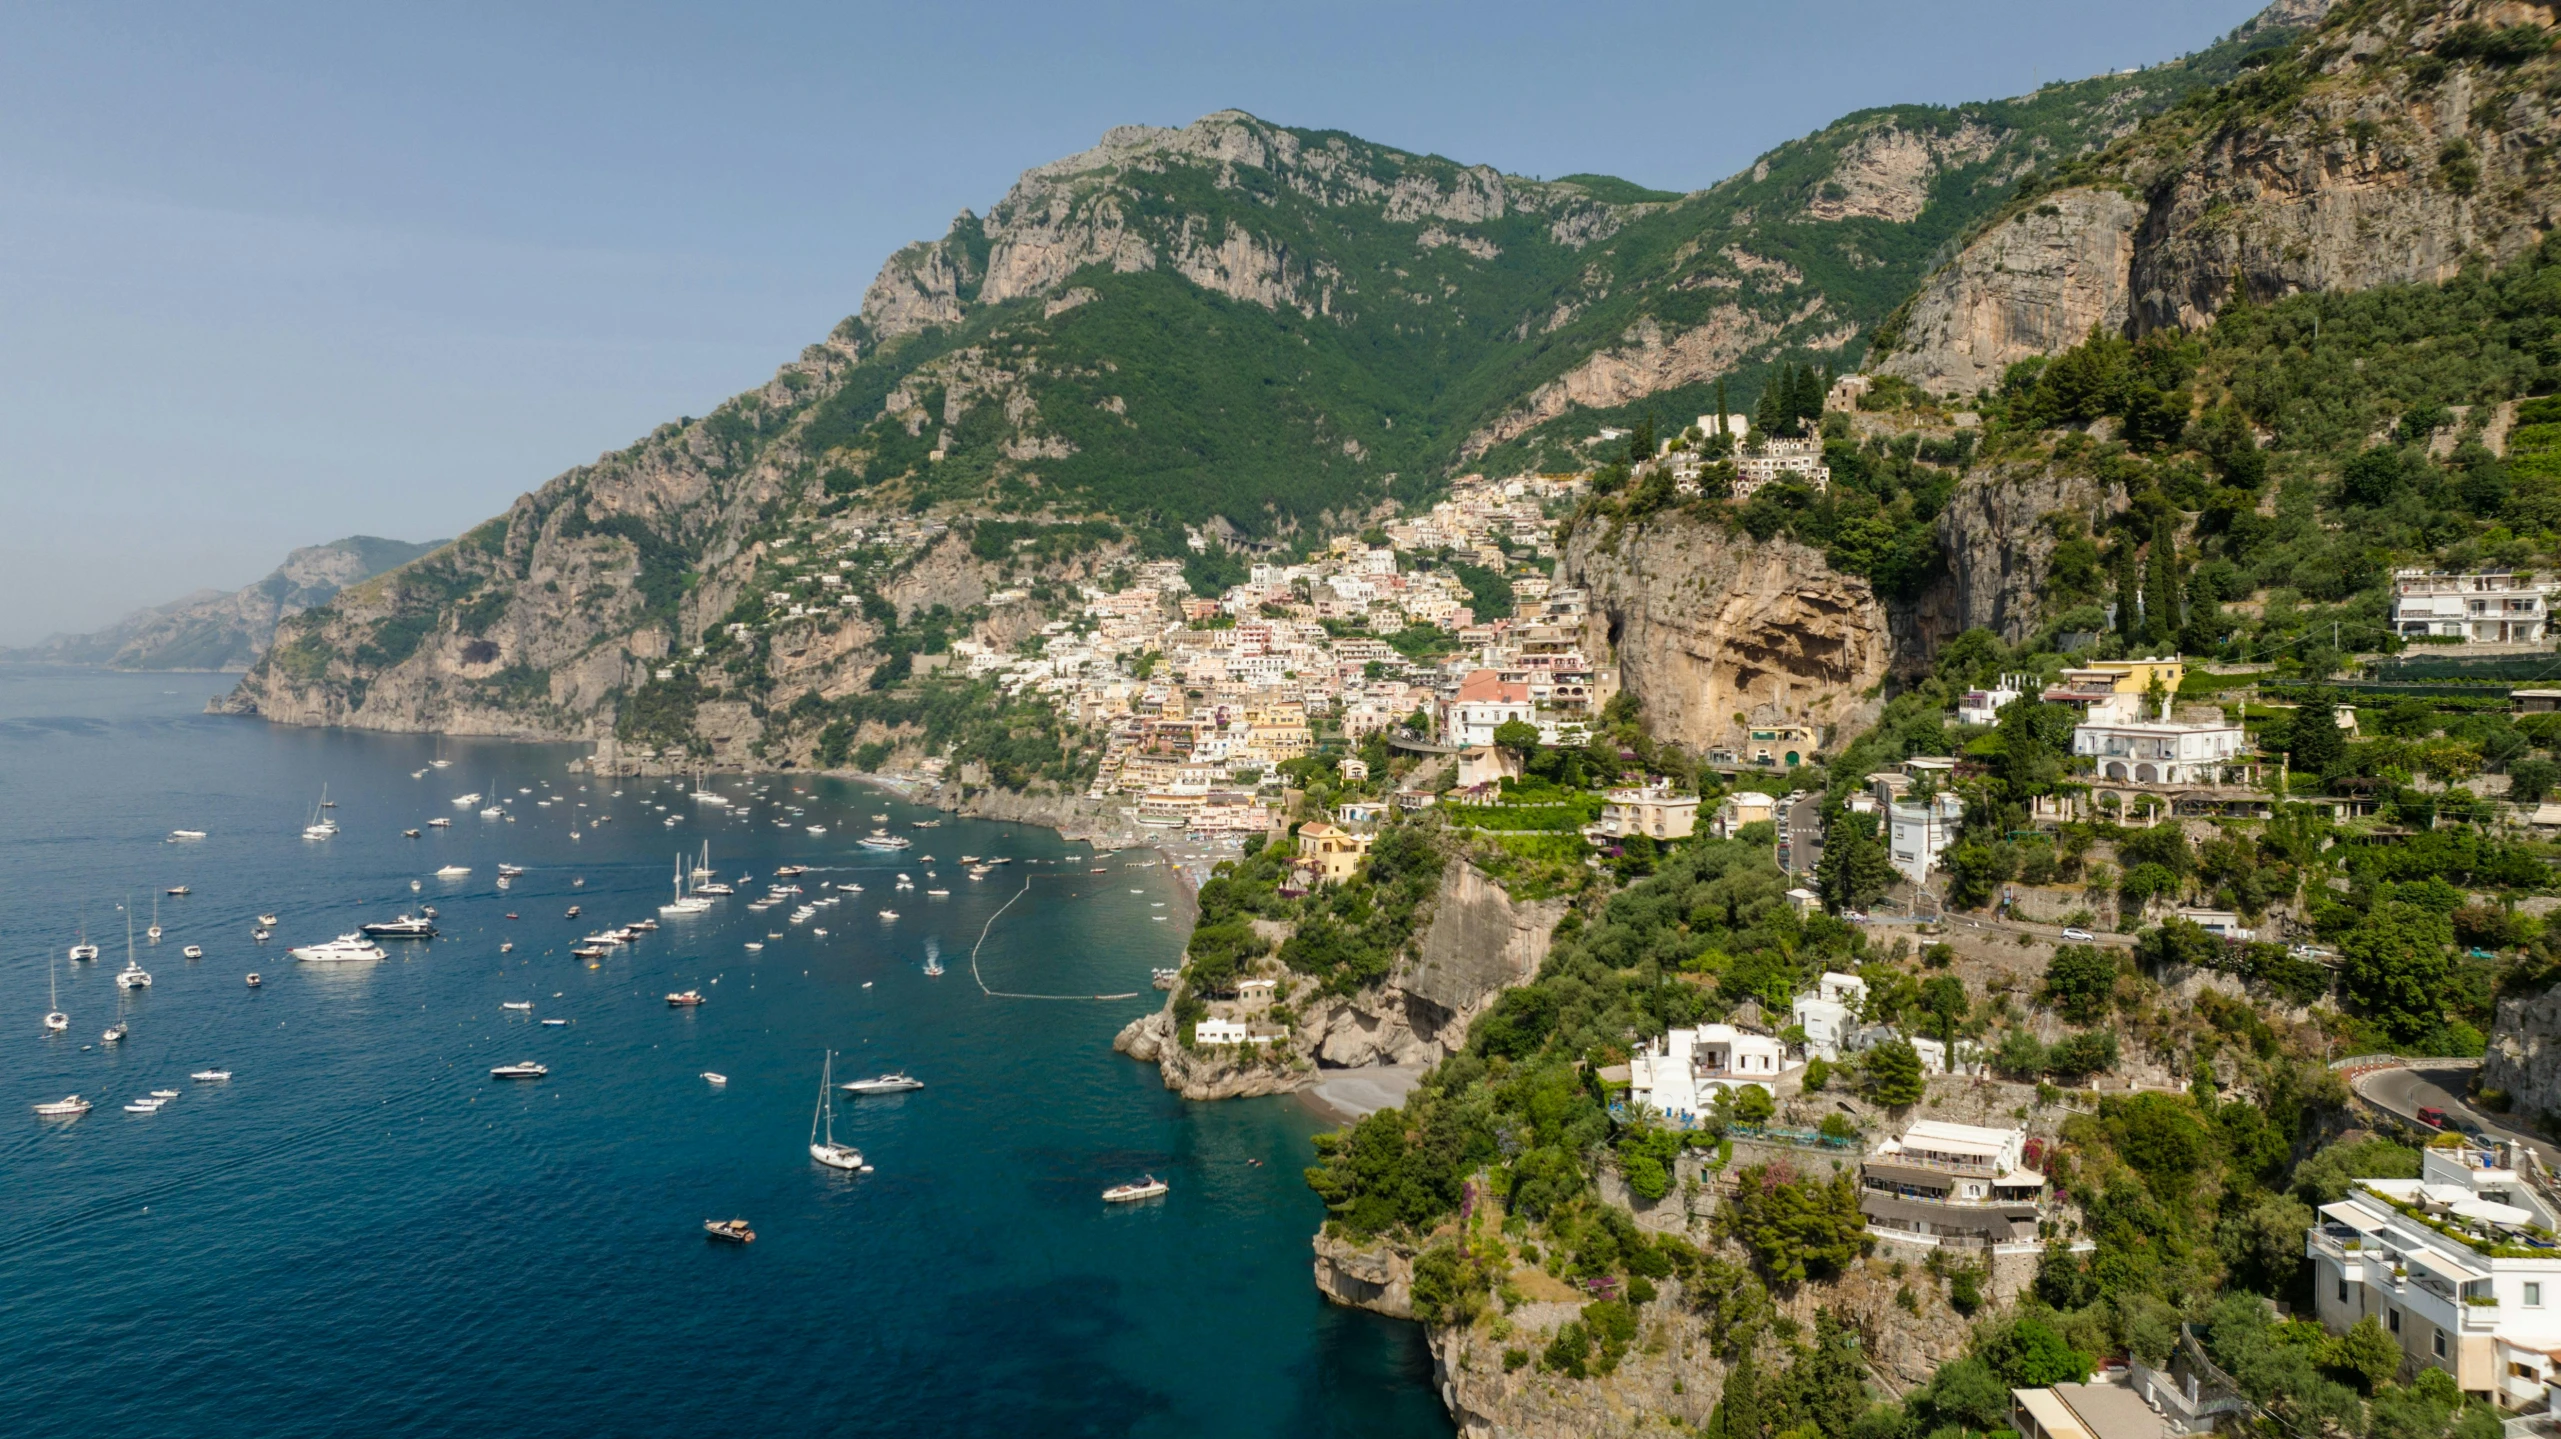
(216,629)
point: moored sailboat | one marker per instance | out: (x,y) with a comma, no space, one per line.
(827,1151)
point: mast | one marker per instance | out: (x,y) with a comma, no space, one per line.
(826,1071)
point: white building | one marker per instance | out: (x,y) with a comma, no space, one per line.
(1680,1075)
(1485,703)
(1228,1031)
(2160,751)
(1741,808)
(1827,1014)
(2418,1254)
(1799,460)
(1920,831)
(1656,813)
(1984,706)
(2492,607)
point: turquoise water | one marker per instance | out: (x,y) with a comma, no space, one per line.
(364,1233)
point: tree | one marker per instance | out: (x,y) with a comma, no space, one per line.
(1753,1105)
(2029,1354)
(1894,1074)
(2161,618)
(1518,736)
(2129,605)
(1855,867)
(2080,980)
(2315,743)
(1943,999)
(1796,1228)
(2393,968)
(2529,780)
(2369,1353)
(2082,1055)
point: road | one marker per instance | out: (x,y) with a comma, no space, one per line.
(2440,1084)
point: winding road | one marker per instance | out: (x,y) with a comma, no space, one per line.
(2440,1084)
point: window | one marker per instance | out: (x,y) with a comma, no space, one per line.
(2534,1296)
(2343,1289)
(2396,1321)
(2439,1338)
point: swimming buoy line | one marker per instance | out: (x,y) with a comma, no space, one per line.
(982,944)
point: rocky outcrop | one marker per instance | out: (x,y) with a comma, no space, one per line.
(227,629)
(2032,285)
(2362,159)
(1647,360)
(1477,943)
(2524,1058)
(1885,173)
(1377,1276)
(1999,544)
(1712,630)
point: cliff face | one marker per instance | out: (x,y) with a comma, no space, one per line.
(1712,631)
(2524,1058)
(2384,145)
(1477,943)
(228,629)
(1999,544)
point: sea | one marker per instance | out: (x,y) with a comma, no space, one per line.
(363,1232)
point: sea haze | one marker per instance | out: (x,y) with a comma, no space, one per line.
(364,1233)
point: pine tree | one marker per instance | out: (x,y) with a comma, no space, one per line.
(1855,867)
(1738,1409)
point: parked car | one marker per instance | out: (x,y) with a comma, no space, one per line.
(2078,935)
(2432,1117)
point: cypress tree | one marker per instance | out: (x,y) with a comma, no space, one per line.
(1770,415)
(1721,405)
(2161,586)
(2316,743)
(2126,608)
(1738,1409)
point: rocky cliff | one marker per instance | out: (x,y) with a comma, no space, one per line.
(1477,943)
(2384,144)
(2524,1058)
(227,629)
(1713,631)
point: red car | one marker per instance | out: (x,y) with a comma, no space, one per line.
(2432,1117)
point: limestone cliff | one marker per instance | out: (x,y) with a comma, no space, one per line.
(227,629)
(2524,1058)
(1998,537)
(1713,631)
(1477,943)
(2382,145)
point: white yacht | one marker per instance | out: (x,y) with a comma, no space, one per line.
(407,926)
(895,1082)
(519,1005)
(345,949)
(145,1105)
(827,1151)
(70,1106)
(466,801)
(523,1069)
(210,1076)
(454,871)
(440,822)
(1146,1188)
(185,835)
(883,839)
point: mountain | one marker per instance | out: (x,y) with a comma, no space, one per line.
(227,629)
(1256,331)
(2392,143)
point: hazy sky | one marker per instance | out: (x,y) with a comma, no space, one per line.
(273,274)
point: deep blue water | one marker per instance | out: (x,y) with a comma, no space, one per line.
(364,1233)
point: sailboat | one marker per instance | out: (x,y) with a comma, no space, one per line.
(439,762)
(132,976)
(683,904)
(828,1151)
(54,1020)
(153,933)
(84,950)
(706,879)
(322,826)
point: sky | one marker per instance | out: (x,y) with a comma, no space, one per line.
(275,274)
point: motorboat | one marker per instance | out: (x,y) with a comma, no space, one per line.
(262,935)
(177,891)
(466,801)
(510,871)
(555,1024)
(184,836)
(828,1151)
(409,834)
(517,1004)
(210,1076)
(145,1105)
(254,980)
(407,926)
(712,1078)
(525,1069)
(164,1094)
(729,1231)
(506,946)
(755,945)
(266,921)
(115,1033)
(788,871)
(894,1082)
(889,914)
(927,824)
(817,829)
(684,999)
(883,839)
(70,1106)
(193,951)
(454,871)
(1146,1188)
(938,893)
(440,822)
(345,949)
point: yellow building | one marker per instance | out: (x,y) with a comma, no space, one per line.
(1334,854)
(2134,677)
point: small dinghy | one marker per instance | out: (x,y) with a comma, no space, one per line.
(712,1078)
